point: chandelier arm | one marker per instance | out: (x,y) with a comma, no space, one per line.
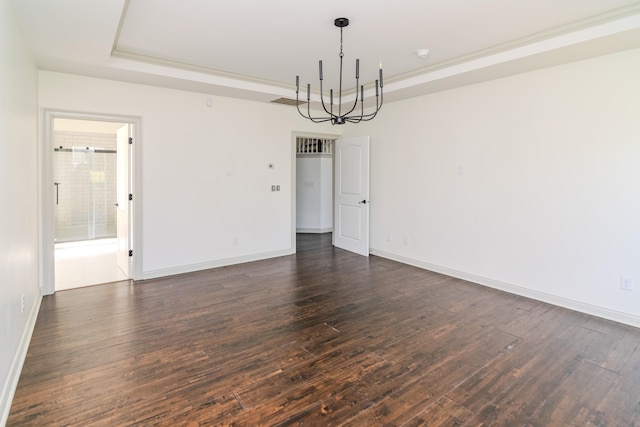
(355,103)
(298,107)
(306,117)
(309,116)
(331,101)
(298,99)
(379,101)
(321,95)
(370,116)
(330,113)
(353,107)
(316,119)
(365,117)
(357,119)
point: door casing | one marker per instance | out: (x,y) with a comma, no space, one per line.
(47,192)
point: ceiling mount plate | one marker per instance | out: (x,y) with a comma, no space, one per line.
(341,22)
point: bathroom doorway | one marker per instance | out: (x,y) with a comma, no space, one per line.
(92,175)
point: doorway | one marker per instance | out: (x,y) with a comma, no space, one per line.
(351,221)
(314,184)
(309,142)
(92,171)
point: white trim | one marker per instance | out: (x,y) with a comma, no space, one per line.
(314,230)
(9,388)
(571,304)
(153,274)
(314,156)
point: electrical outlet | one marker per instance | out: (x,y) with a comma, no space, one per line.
(626,283)
(22,304)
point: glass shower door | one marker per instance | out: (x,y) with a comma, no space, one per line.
(85,193)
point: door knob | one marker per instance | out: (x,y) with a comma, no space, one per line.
(363,202)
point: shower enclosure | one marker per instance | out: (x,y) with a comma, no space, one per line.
(85,186)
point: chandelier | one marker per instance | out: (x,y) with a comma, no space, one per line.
(340,117)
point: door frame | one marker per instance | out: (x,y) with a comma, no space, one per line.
(46,191)
(294,149)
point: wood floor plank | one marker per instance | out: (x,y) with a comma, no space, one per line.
(621,405)
(421,386)
(445,412)
(502,394)
(333,411)
(564,407)
(322,338)
(300,390)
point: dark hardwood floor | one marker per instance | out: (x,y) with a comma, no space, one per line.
(322,338)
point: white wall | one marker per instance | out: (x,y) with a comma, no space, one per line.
(308,193)
(206,185)
(19,195)
(529,183)
(314,181)
(326,193)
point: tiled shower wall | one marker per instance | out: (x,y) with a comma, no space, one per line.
(86,195)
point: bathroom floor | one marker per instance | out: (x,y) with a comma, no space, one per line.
(86,263)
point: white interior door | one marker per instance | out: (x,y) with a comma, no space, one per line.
(351,229)
(124,189)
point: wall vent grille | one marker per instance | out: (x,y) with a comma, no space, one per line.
(286,101)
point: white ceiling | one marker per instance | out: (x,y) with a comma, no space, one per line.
(253,49)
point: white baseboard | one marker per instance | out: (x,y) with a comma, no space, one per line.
(153,274)
(314,230)
(9,388)
(571,304)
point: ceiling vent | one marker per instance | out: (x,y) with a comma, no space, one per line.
(287,101)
